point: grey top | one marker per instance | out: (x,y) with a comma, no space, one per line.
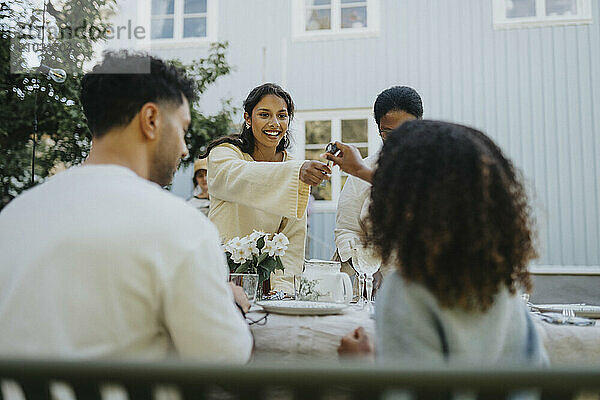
(412,327)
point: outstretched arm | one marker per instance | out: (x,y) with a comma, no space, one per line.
(280,188)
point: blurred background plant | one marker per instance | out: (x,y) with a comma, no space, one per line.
(62,137)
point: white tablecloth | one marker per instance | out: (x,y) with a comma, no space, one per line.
(302,337)
(568,344)
(295,337)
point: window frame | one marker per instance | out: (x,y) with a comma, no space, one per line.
(300,33)
(584,16)
(178,26)
(335,116)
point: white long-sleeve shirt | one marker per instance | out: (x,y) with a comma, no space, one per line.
(353,205)
(98,262)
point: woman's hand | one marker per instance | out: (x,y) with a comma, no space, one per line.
(356,344)
(314,172)
(350,161)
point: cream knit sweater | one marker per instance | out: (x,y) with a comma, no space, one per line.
(267,196)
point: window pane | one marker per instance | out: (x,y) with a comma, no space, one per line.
(520,8)
(353,1)
(318,19)
(561,7)
(194,6)
(162,28)
(162,7)
(317,3)
(313,154)
(354,131)
(364,151)
(194,27)
(322,192)
(318,132)
(354,17)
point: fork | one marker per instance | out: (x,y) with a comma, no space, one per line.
(568,314)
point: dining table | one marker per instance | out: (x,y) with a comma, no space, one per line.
(289,338)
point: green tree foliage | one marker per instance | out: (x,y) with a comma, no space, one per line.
(204,128)
(63,138)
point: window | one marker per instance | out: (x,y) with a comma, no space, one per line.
(183,20)
(316,129)
(524,13)
(334,18)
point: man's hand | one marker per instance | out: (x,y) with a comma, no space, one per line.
(356,344)
(314,172)
(240,297)
(350,161)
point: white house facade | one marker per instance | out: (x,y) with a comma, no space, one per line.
(523,71)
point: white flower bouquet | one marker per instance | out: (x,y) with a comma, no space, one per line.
(256,254)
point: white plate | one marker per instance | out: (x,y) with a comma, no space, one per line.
(296,307)
(558,318)
(581,310)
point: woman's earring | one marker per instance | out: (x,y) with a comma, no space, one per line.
(247,125)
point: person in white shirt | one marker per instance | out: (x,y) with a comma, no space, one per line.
(393,107)
(100,261)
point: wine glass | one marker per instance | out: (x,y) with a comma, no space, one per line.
(359,273)
(248,282)
(369,263)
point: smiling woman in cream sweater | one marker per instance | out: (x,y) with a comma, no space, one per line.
(253,183)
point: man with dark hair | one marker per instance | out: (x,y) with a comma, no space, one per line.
(393,107)
(120,267)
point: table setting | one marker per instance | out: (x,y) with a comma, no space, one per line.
(321,289)
(309,323)
(578,314)
(286,337)
(570,332)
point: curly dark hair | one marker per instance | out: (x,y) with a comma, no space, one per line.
(398,98)
(115,90)
(449,209)
(245,139)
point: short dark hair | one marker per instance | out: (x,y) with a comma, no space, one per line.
(245,139)
(398,98)
(115,91)
(448,207)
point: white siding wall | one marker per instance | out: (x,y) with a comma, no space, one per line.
(536,91)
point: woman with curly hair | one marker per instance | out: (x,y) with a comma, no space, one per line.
(255,185)
(448,209)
